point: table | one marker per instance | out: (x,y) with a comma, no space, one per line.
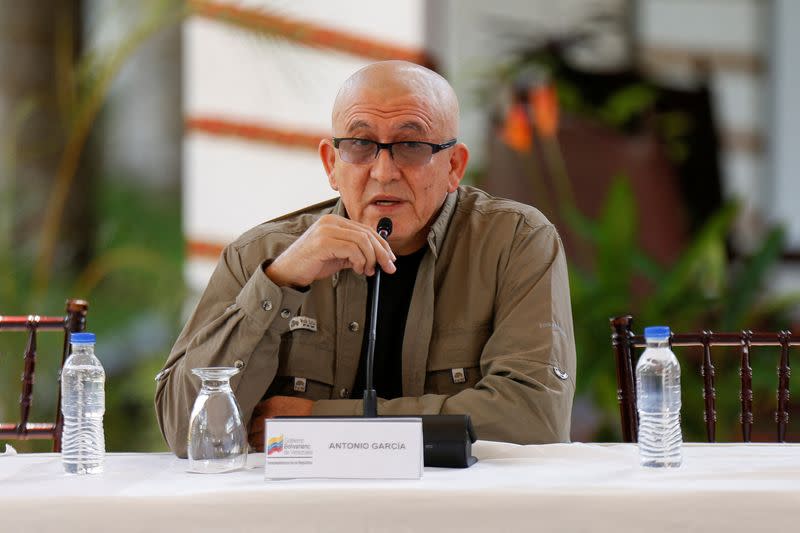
(557,487)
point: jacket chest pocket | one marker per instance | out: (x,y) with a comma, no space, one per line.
(305,366)
(454,359)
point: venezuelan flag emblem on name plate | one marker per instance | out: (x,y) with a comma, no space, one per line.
(275,445)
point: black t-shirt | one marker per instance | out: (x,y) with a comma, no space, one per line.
(395,299)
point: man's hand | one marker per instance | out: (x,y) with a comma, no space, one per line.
(331,244)
(270,408)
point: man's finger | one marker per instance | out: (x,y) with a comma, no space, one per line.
(346,249)
(383,253)
(347,223)
(366,245)
(373,247)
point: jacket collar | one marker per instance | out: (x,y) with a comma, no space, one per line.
(439,227)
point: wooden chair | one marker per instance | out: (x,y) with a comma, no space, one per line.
(73,321)
(623,340)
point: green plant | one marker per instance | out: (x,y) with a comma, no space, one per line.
(610,273)
(85,88)
(700,291)
(135,292)
(135,272)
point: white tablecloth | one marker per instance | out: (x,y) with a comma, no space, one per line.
(560,487)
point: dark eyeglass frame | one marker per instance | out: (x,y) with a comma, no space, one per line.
(388,146)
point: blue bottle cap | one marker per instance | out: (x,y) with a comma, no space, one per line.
(82,338)
(657,332)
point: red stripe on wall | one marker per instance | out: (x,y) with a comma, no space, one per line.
(307,33)
(203,249)
(252,131)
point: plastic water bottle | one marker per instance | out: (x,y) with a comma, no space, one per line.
(658,393)
(83,403)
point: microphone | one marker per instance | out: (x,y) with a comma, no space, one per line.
(370,396)
(385,227)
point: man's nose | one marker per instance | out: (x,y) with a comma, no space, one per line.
(384,168)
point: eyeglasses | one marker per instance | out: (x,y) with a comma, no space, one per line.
(404,153)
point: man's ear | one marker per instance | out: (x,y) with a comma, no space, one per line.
(458,165)
(327,153)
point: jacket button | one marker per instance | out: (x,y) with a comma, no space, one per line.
(353,326)
(343,393)
(266,305)
(285,313)
(238,363)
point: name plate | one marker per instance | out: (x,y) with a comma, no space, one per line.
(343,448)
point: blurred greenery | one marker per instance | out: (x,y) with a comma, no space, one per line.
(700,291)
(706,288)
(133,281)
(135,291)
(84,88)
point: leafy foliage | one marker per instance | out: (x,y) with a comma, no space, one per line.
(134,224)
(133,282)
(700,291)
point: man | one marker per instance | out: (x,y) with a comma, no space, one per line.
(474,313)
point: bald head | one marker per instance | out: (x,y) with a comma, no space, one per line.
(389,81)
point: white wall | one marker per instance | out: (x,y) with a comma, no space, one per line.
(785,113)
(731,36)
(232,184)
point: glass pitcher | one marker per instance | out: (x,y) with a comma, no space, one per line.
(217,436)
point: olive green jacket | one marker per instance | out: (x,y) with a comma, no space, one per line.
(489,328)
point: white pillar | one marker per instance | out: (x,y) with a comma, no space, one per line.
(785,130)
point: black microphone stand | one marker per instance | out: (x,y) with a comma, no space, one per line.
(370,396)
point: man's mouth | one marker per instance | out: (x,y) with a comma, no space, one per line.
(386,201)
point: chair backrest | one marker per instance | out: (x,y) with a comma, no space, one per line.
(623,341)
(73,321)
